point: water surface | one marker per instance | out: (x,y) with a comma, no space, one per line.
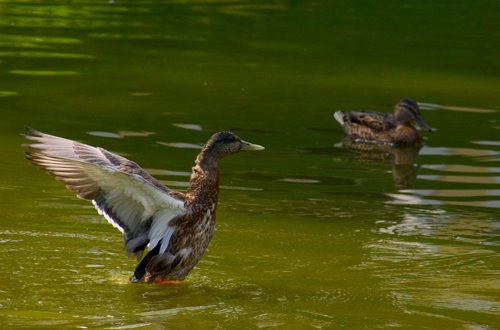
(310,234)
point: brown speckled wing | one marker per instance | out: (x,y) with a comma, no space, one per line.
(127,196)
(375,121)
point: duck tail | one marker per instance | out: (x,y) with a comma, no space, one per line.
(339,116)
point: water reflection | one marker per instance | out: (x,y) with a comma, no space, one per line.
(402,158)
(412,198)
(299,180)
(467,152)
(462,168)
(448,196)
(135,133)
(105,134)
(120,134)
(8,93)
(468,179)
(32,15)
(462,179)
(153,36)
(193,127)
(487,143)
(432,106)
(44,72)
(24,41)
(181,145)
(48,55)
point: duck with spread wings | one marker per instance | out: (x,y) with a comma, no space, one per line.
(174,227)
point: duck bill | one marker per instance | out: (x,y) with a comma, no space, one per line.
(422,125)
(247,146)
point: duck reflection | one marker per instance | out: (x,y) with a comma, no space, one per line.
(403,159)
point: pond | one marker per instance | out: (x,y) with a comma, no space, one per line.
(310,233)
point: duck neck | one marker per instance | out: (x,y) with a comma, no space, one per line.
(407,134)
(204,182)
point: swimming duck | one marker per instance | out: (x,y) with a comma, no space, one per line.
(175,227)
(397,128)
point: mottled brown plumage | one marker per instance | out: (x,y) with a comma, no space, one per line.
(398,128)
(175,227)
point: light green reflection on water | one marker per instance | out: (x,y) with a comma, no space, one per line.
(43,73)
(28,54)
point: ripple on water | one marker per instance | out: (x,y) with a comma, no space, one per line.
(433,106)
(26,41)
(412,199)
(50,55)
(453,192)
(473,184)
(300,180)
(432,261)
(487,143)
(105,134)
(462,179)
(461,168)
(169,312)
(25,233)
(8,93)
(181,145)
(445,226)
(44,73)
(193,127)
(467,152)
(135,133)
(120,134)
(432,277)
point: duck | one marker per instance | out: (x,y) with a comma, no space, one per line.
(399,128)
(175,228)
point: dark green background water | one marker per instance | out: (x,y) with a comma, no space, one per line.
(310,234)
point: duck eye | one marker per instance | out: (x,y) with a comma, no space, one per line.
(229,139)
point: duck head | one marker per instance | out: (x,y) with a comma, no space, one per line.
(407,112)
(225,143)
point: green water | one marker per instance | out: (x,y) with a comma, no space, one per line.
(310,234)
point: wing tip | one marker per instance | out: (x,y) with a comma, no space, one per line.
(31,133)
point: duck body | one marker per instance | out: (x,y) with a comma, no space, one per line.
(174,227)
(384,128)
(188,234)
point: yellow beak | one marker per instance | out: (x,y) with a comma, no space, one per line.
(247,146)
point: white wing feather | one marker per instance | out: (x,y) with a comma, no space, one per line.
(128,197)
